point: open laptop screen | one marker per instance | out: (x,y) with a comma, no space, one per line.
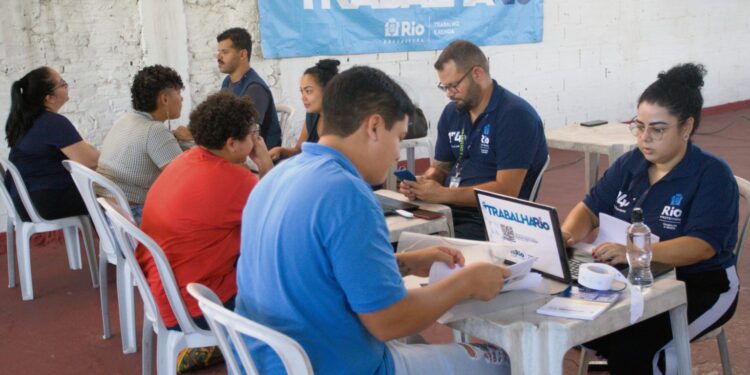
(532,228)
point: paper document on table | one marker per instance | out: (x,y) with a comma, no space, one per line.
(473,251)
(520,275)
(611,229)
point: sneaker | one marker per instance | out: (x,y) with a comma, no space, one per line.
(198,358)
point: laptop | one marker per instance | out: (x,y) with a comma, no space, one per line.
(390,205)
(535,228)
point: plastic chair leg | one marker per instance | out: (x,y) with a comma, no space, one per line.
(147,350)
(87,231)
(169,347)
(10,241)
(103,294)
(583,363)
(73,247)
(126,308)
(721,340)
(24,264)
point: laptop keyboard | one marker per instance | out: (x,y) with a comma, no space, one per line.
(574,264)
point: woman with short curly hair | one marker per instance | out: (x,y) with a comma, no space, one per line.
(139,145)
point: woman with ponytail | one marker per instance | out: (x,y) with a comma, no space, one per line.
(689,199)
(40,139)
(312,84)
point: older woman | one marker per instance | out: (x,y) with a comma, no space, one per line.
(40,139)
(311,86)
(139,144)
(689,199)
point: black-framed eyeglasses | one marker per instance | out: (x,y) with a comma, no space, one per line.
(454,86)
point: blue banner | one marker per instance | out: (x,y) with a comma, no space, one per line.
(292,28)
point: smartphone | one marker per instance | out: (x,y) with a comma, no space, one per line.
(593,123)
(427,215)
(405,174)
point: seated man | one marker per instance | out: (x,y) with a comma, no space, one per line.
(194,207)
(139,144)
(488,138)
(319,268)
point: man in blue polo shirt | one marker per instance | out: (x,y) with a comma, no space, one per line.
(488,138)
(317,264)
(233,56)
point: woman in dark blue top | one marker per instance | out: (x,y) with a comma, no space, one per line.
(40,139)
(311,86)
(689,199)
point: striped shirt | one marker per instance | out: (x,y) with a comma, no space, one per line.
(135,151)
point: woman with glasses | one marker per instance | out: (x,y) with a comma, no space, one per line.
(140,145)
(40,139)
(689,199)
(311,86)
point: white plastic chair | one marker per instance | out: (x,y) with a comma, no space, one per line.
(718,333)
(285,113)
(86,180)
(169,343)
(225,323)
(538,182)
(69,225)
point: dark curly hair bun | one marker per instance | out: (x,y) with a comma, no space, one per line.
(679,91)
(324,70)
(685,75)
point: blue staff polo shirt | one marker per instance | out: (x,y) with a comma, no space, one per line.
(697,198)
(508,135)
(312,259)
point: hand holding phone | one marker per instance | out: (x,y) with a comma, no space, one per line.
(405,174)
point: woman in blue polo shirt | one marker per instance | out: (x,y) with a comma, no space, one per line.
(40,139)
(689,199)
(311,86)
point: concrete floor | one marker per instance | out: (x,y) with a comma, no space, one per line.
(60,330)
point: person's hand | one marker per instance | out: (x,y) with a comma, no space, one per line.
(484,280)
(260,155)
(405,189)
(275,153)
(610,253)
(419,262)
(182,134)
(427,189)
(568,239)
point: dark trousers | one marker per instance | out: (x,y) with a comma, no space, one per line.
(53,203)
(201,321)
(632,349)
(468,223)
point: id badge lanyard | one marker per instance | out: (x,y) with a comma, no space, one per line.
(455,180)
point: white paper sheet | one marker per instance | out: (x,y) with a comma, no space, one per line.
(611,229)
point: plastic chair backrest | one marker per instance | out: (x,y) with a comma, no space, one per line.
(285,113)
(535,189)
(23,193)
(126,233)
(744,187)
(224,322)
(86,180)
(7,199)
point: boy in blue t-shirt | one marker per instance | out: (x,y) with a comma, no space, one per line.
(319,267)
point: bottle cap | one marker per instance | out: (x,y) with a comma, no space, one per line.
(636,215)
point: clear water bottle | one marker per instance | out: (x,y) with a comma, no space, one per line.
(639,251)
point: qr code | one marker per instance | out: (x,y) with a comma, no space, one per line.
(508,234)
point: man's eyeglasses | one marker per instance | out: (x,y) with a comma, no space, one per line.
(655,132)
(254,129)
(454,86)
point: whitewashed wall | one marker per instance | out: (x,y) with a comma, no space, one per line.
(596,57)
